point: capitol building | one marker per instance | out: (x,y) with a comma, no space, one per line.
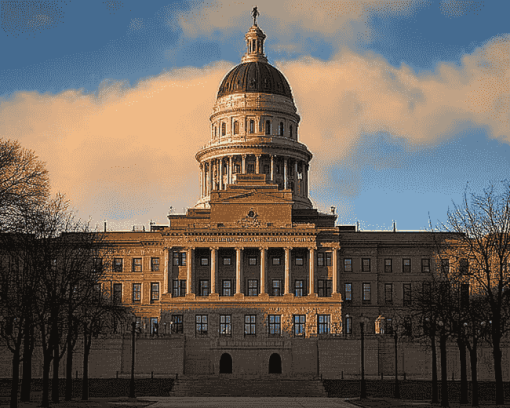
(253,280)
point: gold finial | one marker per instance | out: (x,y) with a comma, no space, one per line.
(255,13)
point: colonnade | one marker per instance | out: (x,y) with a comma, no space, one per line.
(190,255)
(217,173)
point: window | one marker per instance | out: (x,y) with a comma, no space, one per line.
(204,261)
(227,260)
(253,287)
(175,258)
(226,287)
(204,287)
(425,265)
(275,325)
(268,127)
(179,288)
(388,293)
(97,292)
(250,168)
(445,266)
(117,264)
(179,259)
(266,168)
(406,265)
(280,129)
(464,266)
(324,288)
(252,260)
(320,258)
(137,264)
(237,168)
(427,290)
(407,294)
(408,326)
(223,129)
(249,325)
(177,326)
(348,265)
(154,326)
(389,325)
(236,127)
(277,287)
(299,325)
(388,266)
(464,296)
(365,264)
(328,258)
(348,292)
(137,292)
(276,260)
(348,325)
(98,264)
(298,287)
(300,261)
(252,126)
(323,324)
(138,323)
(225,325)
(117,293)
(154,291)
(155,264)
(366,293)
(201,325)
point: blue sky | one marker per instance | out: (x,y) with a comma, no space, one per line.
(404,104)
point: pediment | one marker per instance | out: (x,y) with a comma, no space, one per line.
(251,197)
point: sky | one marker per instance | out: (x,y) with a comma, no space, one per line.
(405,104)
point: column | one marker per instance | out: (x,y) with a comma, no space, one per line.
(221,173)
(272,167)
(287,270)
(263,252)
(189,270)
(165,270)
(335,271)
(230,170)
(214,269)
(239,275)
(257,164)
(285,173)
(243,164)
(311,277)
(211,181)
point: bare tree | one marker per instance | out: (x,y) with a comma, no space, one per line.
(482,225)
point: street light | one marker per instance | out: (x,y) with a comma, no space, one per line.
(132,381)
(444,378)
(396,393)
(363,389)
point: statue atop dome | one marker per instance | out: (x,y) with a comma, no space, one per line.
(255,13)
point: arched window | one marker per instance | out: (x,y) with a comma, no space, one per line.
(215,131)
(268,127)
(252,126)
(223,129)
(280,129)
(236,127)
(290,131)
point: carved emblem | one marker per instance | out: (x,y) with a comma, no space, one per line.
(251,219)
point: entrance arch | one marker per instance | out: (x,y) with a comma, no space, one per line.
(225,364)
(275,364)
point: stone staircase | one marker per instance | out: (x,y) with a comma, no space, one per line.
(225,386)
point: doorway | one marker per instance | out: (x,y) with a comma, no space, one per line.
(275,364)
(225,364)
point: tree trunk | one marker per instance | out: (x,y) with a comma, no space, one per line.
(28,349)
(463,373)
(435,398)
(69,370)
(498,373)
(474,375)
(444,373)
(85,380)
(45,402)
(15,378)
(56,361)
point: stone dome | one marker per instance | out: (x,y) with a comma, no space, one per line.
(255,76)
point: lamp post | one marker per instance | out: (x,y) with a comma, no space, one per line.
(396,393)
(363,389)
(432,335)
(444,374)
(132,381)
